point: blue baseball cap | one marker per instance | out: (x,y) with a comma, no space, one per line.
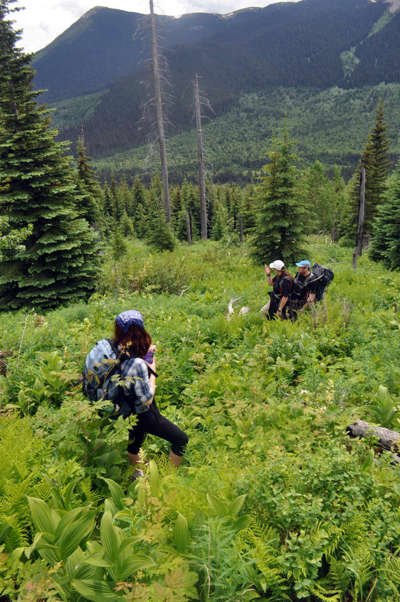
(127,318)
(304,263)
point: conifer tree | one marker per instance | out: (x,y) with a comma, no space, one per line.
(191,203)
(247,211)
(385,245)
(117,201)
(158,233)
(279,215)
(89,204)
(375,159)
(37,189)
(222,225)
(108,202)
(139,213)
(126,197)
(126,225)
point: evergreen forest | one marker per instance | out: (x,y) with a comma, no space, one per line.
(273,500)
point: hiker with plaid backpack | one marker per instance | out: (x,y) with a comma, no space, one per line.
(123,370)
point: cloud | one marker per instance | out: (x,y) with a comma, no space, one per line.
(43,20)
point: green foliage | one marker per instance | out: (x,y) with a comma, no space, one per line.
(332,126)
(38,195)
(273,501)
(279,225)
(375,159)
(386,227)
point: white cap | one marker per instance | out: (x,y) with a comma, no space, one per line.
(277,264)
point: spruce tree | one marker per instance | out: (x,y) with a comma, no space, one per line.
(222,226)
(158,233)
(139,210)
(90,201)
(279,225)
(385,245)
(375,159)
(37,190)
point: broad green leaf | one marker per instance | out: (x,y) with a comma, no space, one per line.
(110,538)
(154,479)
(74,532)
(95,591)
(98,561)
(117,493)
(133,563)
(44,518)
(237,504)
(110,507)
(181,534)
(216,505)
(48,551)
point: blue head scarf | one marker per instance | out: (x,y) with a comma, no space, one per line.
(129,317)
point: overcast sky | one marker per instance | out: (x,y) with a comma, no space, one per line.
(43,20)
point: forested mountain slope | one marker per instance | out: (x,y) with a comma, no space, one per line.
(97,68)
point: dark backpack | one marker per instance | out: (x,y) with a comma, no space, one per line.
(299,290)
(322,277)
(102,377)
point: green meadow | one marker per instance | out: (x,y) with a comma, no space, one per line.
(273,500)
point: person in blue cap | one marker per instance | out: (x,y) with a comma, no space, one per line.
(304,289)
(138,369)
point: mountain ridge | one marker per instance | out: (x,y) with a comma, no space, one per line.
(311,43)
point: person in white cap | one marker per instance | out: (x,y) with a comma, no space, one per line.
(282,285)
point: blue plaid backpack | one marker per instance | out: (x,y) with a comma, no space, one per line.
(102,377)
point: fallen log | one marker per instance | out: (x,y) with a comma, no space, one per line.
(388,439)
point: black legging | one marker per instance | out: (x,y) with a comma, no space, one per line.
(153,423)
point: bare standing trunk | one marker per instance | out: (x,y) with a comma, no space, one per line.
(202,183)
(361,217)
(188,228)
(159,112)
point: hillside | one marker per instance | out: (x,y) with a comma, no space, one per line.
(329,125)
(273,500)
(314,44)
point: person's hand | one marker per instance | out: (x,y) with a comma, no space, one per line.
(280,314)
(153,348)
(267,270)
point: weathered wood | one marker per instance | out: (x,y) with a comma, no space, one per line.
(159,112)
(188,227)
(200,153)
(388,439)
(361,218)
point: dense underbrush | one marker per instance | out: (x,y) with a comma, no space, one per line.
(273,501)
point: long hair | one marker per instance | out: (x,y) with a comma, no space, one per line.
(285,273)
(135,342)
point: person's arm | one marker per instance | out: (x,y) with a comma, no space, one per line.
(282,304)
(310,300)
(152,383)
(268,272)
(286,288)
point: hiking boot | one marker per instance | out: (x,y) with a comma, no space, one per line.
(137,475)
